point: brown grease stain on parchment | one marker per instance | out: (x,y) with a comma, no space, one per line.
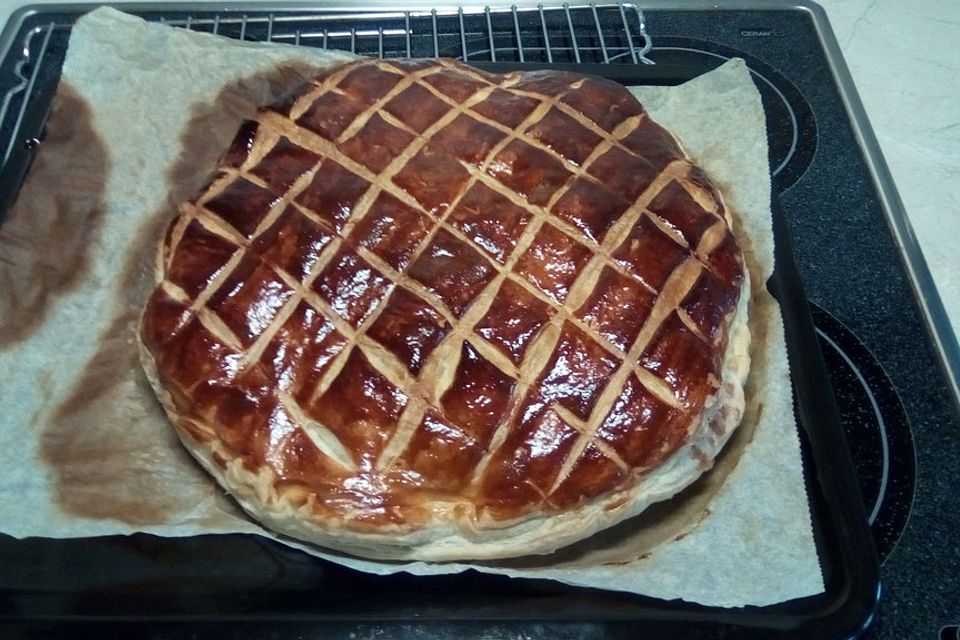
(45,238)
(636,538)
(110,447)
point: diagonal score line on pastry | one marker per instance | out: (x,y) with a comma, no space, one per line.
(405,430)
(491,443)
(578,290)
(680,282)
(448,346)
(413,411)
(541,214)
(309,140)
(301,183)
(610,137)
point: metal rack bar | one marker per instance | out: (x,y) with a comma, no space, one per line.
(463,36)
(603,45)
(573,33)
(626,29)
(493,47)
(546,34)
(516,30)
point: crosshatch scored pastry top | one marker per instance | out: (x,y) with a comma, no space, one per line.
(413,283)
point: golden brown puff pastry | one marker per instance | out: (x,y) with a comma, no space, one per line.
(427,312)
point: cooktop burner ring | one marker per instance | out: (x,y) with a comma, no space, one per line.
(878,431)
(791,152)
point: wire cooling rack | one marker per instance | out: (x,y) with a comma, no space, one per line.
(613,33)
(565,33)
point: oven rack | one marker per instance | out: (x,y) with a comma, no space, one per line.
(601,33)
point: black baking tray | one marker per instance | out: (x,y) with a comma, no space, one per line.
(245,586)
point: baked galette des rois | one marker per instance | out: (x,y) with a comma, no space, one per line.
(427,312)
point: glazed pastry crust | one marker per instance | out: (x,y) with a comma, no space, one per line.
(425,312)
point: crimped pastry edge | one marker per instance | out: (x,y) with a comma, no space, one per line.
(448,538)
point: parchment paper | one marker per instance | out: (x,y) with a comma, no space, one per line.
(142,112)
